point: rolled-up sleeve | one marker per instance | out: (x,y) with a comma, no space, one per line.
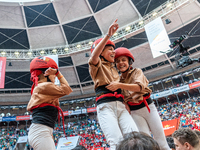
(140,79)
(94,68)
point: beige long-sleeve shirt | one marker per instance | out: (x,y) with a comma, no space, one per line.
(48,92)
(103,73)
(135,76)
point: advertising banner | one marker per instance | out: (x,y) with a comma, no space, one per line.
(9,119)
(67,143)
(22,139)
(19,118)
(75,112)
(194,85)
(152,97)
(170,126)
(157,36)
(66,113)
(162,94)
(2,71)
(93,109)
(84,111)
(180,89)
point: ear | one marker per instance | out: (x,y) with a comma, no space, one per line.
(187,145)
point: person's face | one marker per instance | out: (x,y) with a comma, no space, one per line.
(52,78)
(179,146)
(122,63)
(109,54)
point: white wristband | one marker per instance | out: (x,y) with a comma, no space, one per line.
(109,36)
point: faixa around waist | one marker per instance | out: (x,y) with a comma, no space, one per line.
(101,90)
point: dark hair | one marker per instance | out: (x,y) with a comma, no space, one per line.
(197,133)
(79,147)
(43,71)
(137,141)
(186,135)
(170,142)
(130,60)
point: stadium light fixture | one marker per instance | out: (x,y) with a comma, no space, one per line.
(115,34)
(42,52)
(3,53)
(169,5)
(141,22)
(16,53)
(54,50)
(90,43)
(128,28)
(154,14)
(29,53)
(78,46)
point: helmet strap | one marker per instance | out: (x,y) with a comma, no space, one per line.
(126,70)
(103,58)
(129,68)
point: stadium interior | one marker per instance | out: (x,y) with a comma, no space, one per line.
(68,28)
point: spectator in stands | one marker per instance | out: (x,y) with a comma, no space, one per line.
(138,141)
(79,147)
(44,102)
(185,139)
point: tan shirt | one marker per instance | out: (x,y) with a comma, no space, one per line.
(135,76)
(48,92)
(103,73)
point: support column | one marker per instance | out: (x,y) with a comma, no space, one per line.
(8,125)
(167,100)
(157,102)
(162,84)
(188,94)
(177,98)
(26,125)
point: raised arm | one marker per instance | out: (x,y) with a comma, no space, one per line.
(51,71)
(99,48)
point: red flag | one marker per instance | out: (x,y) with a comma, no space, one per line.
(2,71)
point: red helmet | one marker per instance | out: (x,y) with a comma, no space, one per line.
(109,43)
(42,62)
(38,63)
(122,51)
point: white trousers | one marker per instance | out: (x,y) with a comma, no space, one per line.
(147,122)
(40,137)
(115,121)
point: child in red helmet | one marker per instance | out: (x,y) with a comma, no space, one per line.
(113,117)
(137,96)
(44,102)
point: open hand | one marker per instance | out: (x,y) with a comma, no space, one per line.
(113,86)
(113,28)
(50,71)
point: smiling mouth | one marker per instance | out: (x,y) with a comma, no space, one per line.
(112,56)
(121,67)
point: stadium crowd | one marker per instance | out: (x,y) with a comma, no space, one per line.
(91,134)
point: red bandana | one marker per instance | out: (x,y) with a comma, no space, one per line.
(34,78)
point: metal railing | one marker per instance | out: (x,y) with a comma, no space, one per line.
(121,34)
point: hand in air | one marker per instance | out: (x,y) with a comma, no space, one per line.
(113,86)
(50,71)
(113,28)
